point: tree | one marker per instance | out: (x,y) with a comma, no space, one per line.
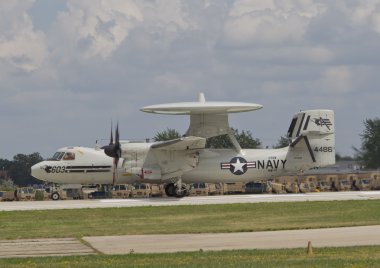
(168,134)
(244,138)
(338,157)
(19,170)
(282,142)
(369,154)
(4,166)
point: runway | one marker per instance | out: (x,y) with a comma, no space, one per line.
(194,200)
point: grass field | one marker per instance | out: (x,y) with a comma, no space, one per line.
(324,257)
(187,219)
(197,219)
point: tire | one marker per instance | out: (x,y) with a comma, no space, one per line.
(55,196)
(170,189)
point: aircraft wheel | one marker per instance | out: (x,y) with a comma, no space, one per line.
(55,196)
(170,189)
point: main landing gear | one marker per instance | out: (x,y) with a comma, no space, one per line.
(176,189)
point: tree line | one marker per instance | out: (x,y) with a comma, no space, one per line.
(18,169)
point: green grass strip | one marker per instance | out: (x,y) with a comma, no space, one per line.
(323,257)
(187,219)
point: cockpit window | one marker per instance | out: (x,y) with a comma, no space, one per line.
(69,156)
(57,156)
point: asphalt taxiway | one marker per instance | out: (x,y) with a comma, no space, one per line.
(194,200)
(329,237)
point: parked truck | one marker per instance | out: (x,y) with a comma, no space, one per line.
(121,191)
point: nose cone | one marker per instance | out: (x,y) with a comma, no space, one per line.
(38,171)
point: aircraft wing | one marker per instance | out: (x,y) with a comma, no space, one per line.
(178,156)
(184,143)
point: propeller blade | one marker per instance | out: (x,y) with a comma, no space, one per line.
(111,139)
(117,134)
(114,174)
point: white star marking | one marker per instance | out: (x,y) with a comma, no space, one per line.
(238,166)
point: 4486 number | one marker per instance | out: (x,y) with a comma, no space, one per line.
(323,149)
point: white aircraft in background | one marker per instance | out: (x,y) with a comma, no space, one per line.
(186,160)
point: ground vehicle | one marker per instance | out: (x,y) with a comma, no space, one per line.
(324,182)
(362,184)
(98,195)
(121,191)
(375,181)
(157,190)
(292,187)
(257,187)
(324,186)
(278,188)
(25,193)
(141,190)
(304,187)
(235,187)
(341,185)
(8,195)
(199,189)
(220,189)
(73,193)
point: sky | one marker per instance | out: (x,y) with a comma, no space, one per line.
(68,67)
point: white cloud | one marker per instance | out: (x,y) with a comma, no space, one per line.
(165,14)
(103,59)
(97,27)
(21,47)
(365,14)
(269,22)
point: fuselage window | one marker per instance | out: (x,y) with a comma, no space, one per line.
(69,156)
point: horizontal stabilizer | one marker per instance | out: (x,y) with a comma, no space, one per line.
(311,122)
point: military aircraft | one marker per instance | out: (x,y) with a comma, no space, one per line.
(185,160)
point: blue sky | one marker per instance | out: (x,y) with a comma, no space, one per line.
(67,68)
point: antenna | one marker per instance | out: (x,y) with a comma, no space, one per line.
(201,98)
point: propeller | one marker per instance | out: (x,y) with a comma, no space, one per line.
(113,149)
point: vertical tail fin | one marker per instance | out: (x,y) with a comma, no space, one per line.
(313,139)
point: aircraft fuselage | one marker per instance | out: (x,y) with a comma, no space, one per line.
(92,166)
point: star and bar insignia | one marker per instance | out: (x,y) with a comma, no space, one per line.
(238,165)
